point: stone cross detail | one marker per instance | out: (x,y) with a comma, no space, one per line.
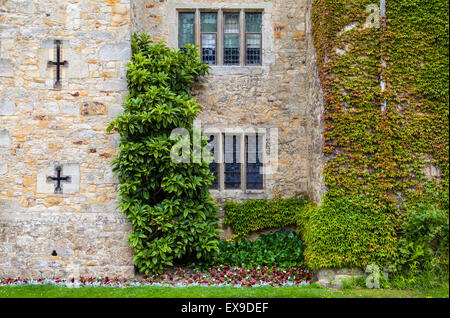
(58,64)
(58,179)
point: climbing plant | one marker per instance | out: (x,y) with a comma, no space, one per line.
(168,204)
(376,157)
(255,215)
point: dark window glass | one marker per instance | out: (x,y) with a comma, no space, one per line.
(231,39)
(212,147)
(254,151)
(253,49)
(208,29)
(186,29)
(208,22)
(253,22)
(209,48)
(253,38)
(232,162)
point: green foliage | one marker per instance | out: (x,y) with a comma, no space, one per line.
(377,157)
(424,245)
(255,215)
(415,279)
(169,205)
(282,248)
(347,233)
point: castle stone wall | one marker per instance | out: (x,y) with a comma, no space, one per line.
(58,196)
(78,232)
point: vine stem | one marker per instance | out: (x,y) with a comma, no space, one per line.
(383,62)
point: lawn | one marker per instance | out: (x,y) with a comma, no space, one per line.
(313,291)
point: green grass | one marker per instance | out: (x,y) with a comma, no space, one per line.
(46,291)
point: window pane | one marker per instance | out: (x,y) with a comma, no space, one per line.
(232,162)
(253,22)
(254,164)
(253,49)
(231,49)
(208,22)
(209,48)
(186,29)
(212,147)
(231,23)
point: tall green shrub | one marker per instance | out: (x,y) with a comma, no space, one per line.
(169,204)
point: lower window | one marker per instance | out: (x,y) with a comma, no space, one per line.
(238,161)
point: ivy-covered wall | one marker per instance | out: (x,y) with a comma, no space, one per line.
(377,160)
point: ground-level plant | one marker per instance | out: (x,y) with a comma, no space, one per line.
(168,203)
(281,248)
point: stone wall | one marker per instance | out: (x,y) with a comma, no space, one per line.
(316,186)
(78,232)
(43,127)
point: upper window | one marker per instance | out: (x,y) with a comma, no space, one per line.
(186,29)
(208,29)
(253,38)
(224,38)
(231,39)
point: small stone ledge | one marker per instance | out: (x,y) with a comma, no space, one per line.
(334,277)
(237,70)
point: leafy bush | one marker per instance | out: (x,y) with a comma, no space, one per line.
(424,245)
(169,205)
(255,215)
(347,232)
(282,248)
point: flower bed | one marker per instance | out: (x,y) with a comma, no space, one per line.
(179,277)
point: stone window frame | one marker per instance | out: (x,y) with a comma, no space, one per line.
(220,134)
(267,55)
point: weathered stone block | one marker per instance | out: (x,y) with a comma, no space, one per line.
(334,277)
(6,107)
(93,108)
(115,52)
(78,66)
(70,109)
(3,168)
(6,68)
(5,139)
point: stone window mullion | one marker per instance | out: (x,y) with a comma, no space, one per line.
(220,37)
(242,38)
(242,162)
(197,30)
(221,168)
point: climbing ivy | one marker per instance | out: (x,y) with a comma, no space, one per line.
(375,157)
(168,204)
(255,215)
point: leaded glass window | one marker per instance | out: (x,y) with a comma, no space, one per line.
(232,162)
(208,29)
(231,39)
(254,152)
(238,161)
(186,30)
(240,41)
(253,38)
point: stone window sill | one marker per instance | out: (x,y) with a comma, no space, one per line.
(239,194)
(237,70)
